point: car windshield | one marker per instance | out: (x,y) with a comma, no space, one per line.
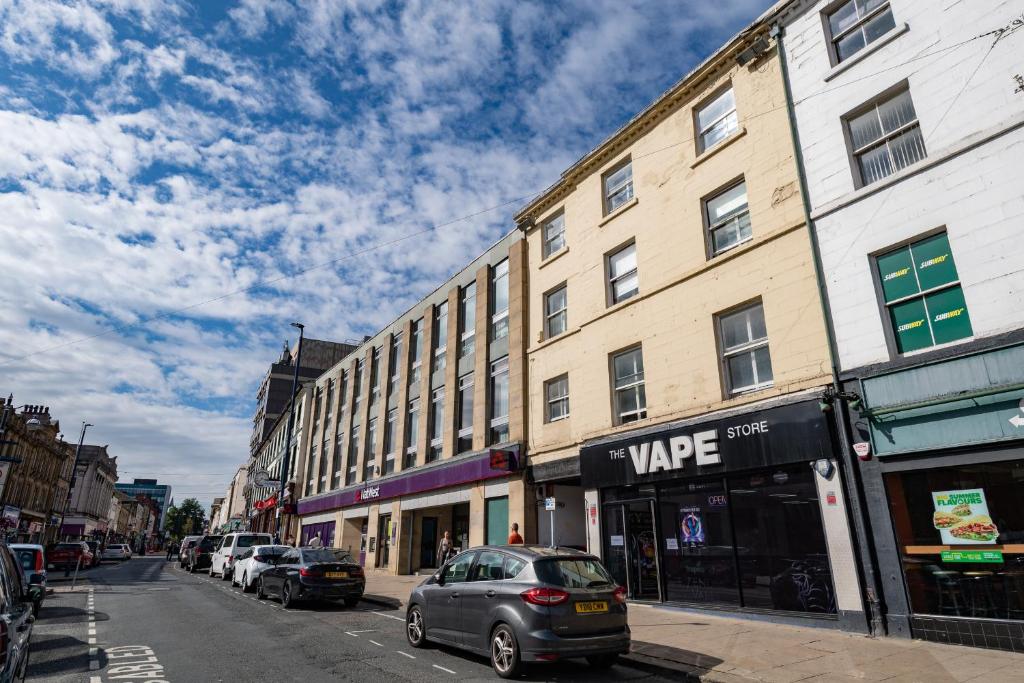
(573,573)
(249,541)
(27,558)
(325,555)
(209,543)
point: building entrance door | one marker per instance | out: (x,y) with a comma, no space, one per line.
(384,540)
(428,542)
(631,548)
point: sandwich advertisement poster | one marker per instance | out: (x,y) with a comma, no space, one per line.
(962,517)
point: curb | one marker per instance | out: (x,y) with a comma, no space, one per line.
(382,601)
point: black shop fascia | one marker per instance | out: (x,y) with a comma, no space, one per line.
(721,512)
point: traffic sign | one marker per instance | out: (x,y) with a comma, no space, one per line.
(549,503)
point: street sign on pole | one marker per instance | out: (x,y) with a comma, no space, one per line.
(550,504)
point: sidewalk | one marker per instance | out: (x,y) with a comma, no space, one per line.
(704,647)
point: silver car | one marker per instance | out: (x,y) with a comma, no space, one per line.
(520,604)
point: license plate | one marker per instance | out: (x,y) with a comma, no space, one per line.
(336,575)
(591,607)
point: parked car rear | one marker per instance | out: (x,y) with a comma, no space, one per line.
(522,604)
(232,545)
(16,618)
(187,543)
(116,551)
(32,559)
(68,555)
(313,574)
(200,555)
(97,553)
(253,562)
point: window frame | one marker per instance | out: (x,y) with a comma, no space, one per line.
(415,350)
(546,240)
(748,347)
(709,229)
(607,194)
(548,400)
(698,132)
(370,454)
(465,383)
(562,312)
(641,414)
(610,280)
(435,446)
(501,316)
(412,430)
(467,332)
(854,153)
(833,39)
(375,367)
(395,363)
(441,313)
(502,421)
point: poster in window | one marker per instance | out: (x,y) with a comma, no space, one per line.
(691,525)
(962,517)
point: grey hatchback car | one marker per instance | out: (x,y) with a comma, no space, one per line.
(520,604)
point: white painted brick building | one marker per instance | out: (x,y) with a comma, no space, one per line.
(959,72)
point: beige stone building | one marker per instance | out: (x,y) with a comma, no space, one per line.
(677,354)
(420,429)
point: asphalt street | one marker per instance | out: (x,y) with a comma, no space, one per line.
(148,620)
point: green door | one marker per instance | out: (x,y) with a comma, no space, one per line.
(497,521)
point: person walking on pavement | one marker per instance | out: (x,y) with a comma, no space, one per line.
(444,549)
(316,541)
(172,549)
(514,537)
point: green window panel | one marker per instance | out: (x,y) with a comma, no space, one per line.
(497,521)
(910,325)
(934,262)
(896,270)
(948,313)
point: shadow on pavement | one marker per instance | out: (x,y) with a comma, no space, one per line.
(393,603)
(59,614)
(41,662)
(663,659)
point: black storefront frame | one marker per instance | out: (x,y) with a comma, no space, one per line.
(813,437)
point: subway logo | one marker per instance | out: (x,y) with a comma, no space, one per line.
(910,326)
(933,261)
(895,274)
(949,314)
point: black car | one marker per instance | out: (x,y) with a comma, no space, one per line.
(200,555)
(16,619)
(313,574)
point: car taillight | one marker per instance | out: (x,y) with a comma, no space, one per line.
(40,564)
(230,557)
(356,571)
(259,558)
(544,596)
(620,594)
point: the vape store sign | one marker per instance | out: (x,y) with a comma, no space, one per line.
(768,437)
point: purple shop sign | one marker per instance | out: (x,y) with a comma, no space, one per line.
(460,471)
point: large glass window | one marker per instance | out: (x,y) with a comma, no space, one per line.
(375,376)
(467,320)
(440,336)
(623,279)
(856,24)
(745,355)
(412,429)
(390,433)
(416,350)
(728,217)
(357,379)
(465,414)
(923,296)
(436,425)
(499,301)
(370,457)
(780,541)
(886,138)
(336,461)
(353,454)
(618,186)
(499,401)
(960,532)
(554,233)
(628,386)
(556,312)
(394,364)
(716,120)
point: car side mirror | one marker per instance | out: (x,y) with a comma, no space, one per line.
(439,578)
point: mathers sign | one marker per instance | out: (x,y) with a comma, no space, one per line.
(775,436)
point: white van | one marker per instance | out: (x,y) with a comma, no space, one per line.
(231,546)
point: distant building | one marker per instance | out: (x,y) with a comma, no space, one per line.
(149,488)
(92,487)
(216,514)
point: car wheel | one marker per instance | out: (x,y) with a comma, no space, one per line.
(261,594)
(415,631)
(287,601)
(210,572)
(505,652)
(227,573)
(603,661)
(246,584)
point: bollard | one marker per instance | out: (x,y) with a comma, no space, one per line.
(77,565)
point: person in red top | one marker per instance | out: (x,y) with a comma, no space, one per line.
(514,537)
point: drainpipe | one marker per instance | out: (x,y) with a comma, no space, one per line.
(858,517)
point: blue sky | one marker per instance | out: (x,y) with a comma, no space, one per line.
(157,154)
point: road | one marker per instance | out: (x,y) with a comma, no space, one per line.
(148,620)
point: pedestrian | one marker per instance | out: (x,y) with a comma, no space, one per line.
(514,537)
(316,541)
(445,549)
(277,538)
(172,548)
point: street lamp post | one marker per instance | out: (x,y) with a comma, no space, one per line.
(71,482)
(286,458)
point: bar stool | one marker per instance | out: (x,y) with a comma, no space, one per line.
(951,597)
(980,596)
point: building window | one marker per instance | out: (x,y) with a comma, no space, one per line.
(394,364)
(343,398)
(309,470)
(885,138)
(628,383)
(336,461)
(416,349)
(623,278)
(323,465)
(436,425)
(618,186)
(553,232)
(745,357)
(922,293)
(390,434)
(357,392)
(499,301)
(467,320)
(317,400)
(329,402)
(465,408)
(499,401)
(858,23)
(375,376)
(353,454)
(716,120)
(728,218)
(555,312)
(556,393)
(370,458)
(412,429)
(440,335)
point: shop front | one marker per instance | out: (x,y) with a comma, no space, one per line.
(946,474)
(743,512)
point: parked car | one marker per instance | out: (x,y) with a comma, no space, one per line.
(223,561)
(253,562)
(186,544)
(117,551)
(16,618)
(97,553)
(32,559)
(68,555)
(313,574)
(200,554)
(522,604)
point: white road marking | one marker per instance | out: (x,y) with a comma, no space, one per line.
(95,679)
(92,641)
(369,630)
(389,616)
(405,654)
(438,666)
(93,651)
(376,643)
(349,633)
